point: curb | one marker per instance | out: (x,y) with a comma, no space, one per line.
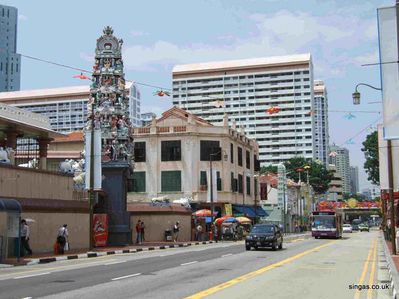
(104,253)
(393,273)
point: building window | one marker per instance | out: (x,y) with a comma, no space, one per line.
(240,183)
(170,181)
(208,147)
(171,150)
(218,181)
(231,153)
(248,185)
(255,187)
(233,182)
(139,152)
(248,160)
(239,153)
(139,181)
(203,180)
(256,164)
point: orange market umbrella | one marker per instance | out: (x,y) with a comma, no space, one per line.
(243,220)
(203,213)
(221,219)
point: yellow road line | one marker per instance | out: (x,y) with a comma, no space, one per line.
(249,275)
(365,268)
(371,279)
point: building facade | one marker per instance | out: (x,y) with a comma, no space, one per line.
(66,107)
(320,113)
(172,159)
(245,90)
(354,179)
(335,190)
(10,61)
(341,160)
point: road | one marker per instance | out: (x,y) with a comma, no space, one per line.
(305,268)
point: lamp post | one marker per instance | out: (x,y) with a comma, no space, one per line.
(356,94)
(211,185)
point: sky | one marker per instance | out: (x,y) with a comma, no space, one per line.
(341,35)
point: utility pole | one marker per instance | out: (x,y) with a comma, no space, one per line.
(391,196)
(91,190)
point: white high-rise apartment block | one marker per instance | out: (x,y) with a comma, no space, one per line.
(66,107)
(248,88)
(320,113)
(341,161)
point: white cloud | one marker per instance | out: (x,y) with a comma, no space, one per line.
(335,40)
(22,17)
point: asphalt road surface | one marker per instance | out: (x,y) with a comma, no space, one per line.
(305,268)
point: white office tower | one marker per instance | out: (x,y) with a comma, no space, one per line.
(320,114)
(341,160)
(270,98)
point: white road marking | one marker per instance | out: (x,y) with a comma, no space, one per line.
(114,263)
(224,255)
(127,276)
(189,263)
(32,275)
(27,298)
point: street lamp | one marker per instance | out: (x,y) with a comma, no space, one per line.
(356,94)
(211,178)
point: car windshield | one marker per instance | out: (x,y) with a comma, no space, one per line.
(263,229)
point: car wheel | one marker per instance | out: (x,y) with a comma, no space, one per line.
(274,246)
(248,247)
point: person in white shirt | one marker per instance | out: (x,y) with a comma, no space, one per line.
(62,238)
(25,234)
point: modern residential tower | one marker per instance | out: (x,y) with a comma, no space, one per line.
(271,99)
(66,107)
(354,179)
(340,159)
(320,113)
(10,61)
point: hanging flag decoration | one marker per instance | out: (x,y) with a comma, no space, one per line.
(349,116)
(82,77)
(350,141)
(218,104)
(273,110)
(333,154)
(161,93)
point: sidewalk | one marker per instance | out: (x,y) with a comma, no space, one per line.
(49,257)
(392,263)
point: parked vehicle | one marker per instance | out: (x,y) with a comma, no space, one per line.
(355,224)
(364,227)
(347,228)
(264,235)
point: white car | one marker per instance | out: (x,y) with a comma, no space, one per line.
(347,228)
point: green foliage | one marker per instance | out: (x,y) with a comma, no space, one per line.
(370,149)
(268,169)
(319,176)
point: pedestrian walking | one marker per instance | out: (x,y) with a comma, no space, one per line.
(142,228)
(138,232)
(25,234)
(176,229)
(62,238)
(199,232)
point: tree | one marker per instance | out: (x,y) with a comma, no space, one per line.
(370,149)
(268,169)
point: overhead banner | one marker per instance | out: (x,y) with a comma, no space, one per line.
(96,159)
(388,44)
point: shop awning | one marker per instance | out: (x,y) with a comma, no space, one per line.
(249,211)
(9,205)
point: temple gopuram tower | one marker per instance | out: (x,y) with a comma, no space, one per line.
(109,125)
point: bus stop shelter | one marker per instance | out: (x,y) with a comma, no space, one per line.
(10,215)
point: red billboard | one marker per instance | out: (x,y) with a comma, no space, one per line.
(100,230)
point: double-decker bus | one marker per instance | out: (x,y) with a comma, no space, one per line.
(326,224)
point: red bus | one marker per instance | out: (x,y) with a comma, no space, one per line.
(326,224)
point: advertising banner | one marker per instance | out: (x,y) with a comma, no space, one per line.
(388,43)
(100,230)
(97,173)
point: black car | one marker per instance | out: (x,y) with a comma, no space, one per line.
(264,235)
